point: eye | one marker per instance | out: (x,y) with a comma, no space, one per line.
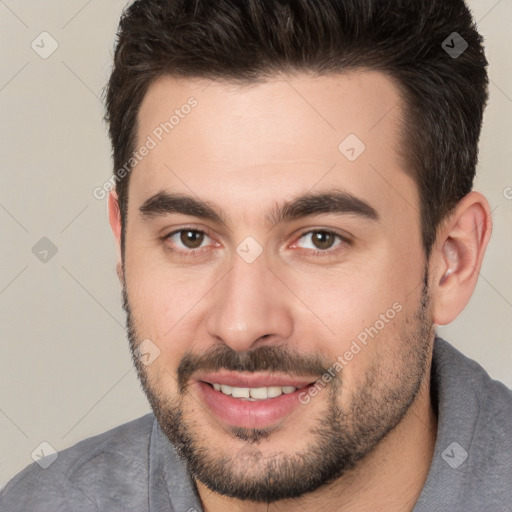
(187,240)
(321,241)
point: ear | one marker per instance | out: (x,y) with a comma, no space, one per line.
(457,257)
(114,217)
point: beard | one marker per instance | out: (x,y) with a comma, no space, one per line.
(340,437)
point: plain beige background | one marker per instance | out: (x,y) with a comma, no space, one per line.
(66,373)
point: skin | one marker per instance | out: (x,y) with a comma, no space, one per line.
(246,149)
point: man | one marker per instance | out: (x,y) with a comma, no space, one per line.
(294,214)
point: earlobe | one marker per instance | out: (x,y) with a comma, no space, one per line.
(458,257)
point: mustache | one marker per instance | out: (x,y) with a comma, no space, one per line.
(266,358)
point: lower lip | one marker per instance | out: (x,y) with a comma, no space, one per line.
(246,413)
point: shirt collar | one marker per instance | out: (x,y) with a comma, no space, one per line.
(171,488)
(457,402)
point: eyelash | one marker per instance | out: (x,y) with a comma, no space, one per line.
(315,253)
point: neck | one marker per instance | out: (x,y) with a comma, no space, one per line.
(389,478)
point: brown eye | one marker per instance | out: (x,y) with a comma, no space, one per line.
(323,239)
(191,239)
(322,242)
(191,242)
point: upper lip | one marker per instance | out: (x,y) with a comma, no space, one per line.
(253,380)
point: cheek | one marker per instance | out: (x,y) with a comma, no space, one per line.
(158,297)
(357,314)
(163,309)
(167,306)
(346,299)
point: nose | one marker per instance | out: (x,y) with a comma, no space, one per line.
(250,307)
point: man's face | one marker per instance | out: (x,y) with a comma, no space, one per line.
(248,293)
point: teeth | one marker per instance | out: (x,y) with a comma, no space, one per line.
(254,393)
(239,392)
(226,389)
(259,393)
(274,391)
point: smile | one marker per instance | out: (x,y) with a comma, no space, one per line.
(254,393)
(250,400)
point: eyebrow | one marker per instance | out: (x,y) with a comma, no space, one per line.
(334,201)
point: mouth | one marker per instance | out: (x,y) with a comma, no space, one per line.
(250,401)
(253,394)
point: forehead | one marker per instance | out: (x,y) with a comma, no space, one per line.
(269,140)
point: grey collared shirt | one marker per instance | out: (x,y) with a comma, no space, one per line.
(134,467)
